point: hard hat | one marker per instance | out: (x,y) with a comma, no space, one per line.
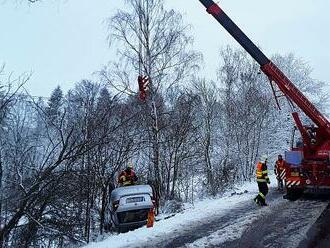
(263,158)
(130,165)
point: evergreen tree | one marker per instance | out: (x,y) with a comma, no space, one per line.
(55,104)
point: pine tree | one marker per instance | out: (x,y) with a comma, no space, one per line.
(55,103)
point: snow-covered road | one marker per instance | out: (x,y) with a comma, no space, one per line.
(282,224)
(285,225)
(230,221)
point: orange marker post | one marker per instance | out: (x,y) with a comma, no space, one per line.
(151,218)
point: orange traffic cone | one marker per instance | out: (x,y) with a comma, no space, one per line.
(151,218)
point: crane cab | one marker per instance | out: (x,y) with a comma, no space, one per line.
(307,164)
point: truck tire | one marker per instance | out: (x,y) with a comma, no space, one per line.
(293,194)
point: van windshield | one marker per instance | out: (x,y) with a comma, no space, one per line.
(133,216)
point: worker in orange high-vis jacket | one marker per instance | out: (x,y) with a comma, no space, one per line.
(279,170)
(262,180)
(127,177)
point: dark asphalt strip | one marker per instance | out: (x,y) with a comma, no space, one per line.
(318,235)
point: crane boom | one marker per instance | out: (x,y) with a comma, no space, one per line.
(269,68)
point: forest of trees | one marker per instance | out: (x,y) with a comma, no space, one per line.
(192,137)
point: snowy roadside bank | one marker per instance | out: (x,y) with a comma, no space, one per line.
(199,212)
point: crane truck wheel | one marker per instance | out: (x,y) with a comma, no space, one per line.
(293,194)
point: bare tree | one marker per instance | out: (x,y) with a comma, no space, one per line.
(246,109)
(9,87)
(152,42)
(179,141)
(209,109)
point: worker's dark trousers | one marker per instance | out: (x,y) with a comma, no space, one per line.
(279,183)
(263,190)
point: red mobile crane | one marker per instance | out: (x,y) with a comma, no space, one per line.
(308,164)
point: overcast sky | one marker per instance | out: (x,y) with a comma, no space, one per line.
(64,41)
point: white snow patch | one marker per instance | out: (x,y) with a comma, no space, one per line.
(197,213)
(229,233)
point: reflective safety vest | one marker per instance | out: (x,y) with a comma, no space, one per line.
(127,179)
(126,182)
(262,172)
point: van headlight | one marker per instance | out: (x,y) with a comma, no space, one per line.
(115,205)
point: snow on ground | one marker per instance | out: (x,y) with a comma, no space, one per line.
(200,211)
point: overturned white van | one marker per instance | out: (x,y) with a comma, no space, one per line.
(129,206)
